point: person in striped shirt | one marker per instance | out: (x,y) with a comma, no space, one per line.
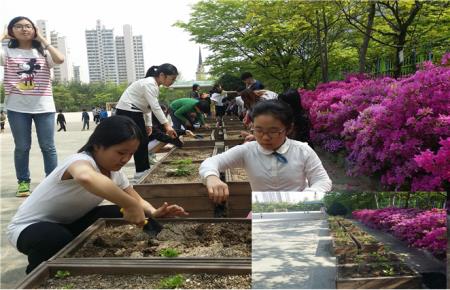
(27,61)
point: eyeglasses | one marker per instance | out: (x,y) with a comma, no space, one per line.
(272,133)
(20,26)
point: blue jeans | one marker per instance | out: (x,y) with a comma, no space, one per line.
(20,124)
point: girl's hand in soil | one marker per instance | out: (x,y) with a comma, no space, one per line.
(190,133)
(217,189)
(134,214)
(170,131)
(167,210)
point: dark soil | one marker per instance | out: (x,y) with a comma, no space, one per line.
(193,154)
(164,175)
(204,135)
(367,258)
(191,281)
(375,270)
(234,135)
(189,239)
(239,174)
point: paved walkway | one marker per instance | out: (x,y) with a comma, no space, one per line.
(292,251)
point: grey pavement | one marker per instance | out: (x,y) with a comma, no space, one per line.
(13,263)
(292,251)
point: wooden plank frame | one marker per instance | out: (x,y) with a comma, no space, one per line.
(49,269)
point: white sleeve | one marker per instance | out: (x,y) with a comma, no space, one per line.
(121,180)
(148,119)
(49,59)
(233,158)
(315,173)
(2,56)
(151,95)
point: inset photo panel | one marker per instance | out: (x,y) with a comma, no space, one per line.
(349,240)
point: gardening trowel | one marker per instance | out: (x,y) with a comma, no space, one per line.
(151,227)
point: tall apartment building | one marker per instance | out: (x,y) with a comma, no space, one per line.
(130,56)
(101,52)
(76,74)
(62,73)
(42,25)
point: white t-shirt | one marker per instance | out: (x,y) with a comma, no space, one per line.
(28,86)
(142,96)
(59,201)
(302,172)
(218,98)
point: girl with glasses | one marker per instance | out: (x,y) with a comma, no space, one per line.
(274,162)
(27,61)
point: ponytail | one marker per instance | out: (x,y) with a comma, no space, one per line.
(166,68)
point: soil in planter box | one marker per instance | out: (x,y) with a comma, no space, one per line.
(156,281)
(193,154)
(187,239)
(239,174)
(165,174)
(205,137)
(234,136)
(376,257)
(376,270)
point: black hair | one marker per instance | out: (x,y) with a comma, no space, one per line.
(217,88)
(293,99)
(60,110)
(246,75)
(204,106)
(111,131)
(277,109)
(195,86)
(166,68)
(14,43)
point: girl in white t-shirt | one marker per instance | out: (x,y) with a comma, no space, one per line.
(28,89)
(67,201)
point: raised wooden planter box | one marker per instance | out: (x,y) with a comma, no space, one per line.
(366,258)
(232,138)
(47,270)
(69,253)
(409,280)
(347,249)
(195,200)
(209,139)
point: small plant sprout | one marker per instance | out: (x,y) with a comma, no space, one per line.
(62,274)
(169,252)
(172,282)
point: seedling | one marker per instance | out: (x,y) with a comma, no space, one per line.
(183,167)
(169,252)
(62,274)
(68,286)
(172,282)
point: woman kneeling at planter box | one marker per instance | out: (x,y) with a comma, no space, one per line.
(274,162)
(67,201)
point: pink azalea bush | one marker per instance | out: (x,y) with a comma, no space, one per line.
(419,228)
(389,128)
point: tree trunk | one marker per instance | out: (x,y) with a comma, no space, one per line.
(365,44)
(319,45)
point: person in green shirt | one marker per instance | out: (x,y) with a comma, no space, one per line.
(182,110)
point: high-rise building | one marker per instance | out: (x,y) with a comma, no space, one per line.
(76,74)
(139,57)
(62,73)
(101,52)
(130,56)
(42,26)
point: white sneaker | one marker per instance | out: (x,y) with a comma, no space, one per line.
(139,175)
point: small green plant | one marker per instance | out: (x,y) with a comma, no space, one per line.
(171,282)
(183,167)
(169,252)
(68,286)
(62,274)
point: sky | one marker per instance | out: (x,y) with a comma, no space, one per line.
(153,19)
